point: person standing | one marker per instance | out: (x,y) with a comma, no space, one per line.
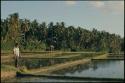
(16,52)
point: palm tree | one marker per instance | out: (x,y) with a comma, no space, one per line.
(14,26)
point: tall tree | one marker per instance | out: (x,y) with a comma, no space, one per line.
(13,26)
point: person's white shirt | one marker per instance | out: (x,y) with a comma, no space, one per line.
(16,51)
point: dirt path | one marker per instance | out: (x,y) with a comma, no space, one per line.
(7,74)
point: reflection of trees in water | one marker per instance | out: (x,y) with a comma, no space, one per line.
(36,63)
(33,63)
(93,64)
(72,70)
(102,63)
(42,62)
(83,67)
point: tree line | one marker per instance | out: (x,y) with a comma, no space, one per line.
(40,36)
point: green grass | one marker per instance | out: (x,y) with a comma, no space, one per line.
(8,68)
(12,68)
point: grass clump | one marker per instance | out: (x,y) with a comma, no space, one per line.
(8,68)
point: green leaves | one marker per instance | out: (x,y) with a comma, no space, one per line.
(41,36)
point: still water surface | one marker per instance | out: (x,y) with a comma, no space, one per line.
(100,69)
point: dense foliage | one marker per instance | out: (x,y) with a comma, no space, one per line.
(40,36)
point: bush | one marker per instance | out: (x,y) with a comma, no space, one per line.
(7,45)
(73,50)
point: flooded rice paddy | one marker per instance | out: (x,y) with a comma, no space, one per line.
(96,68)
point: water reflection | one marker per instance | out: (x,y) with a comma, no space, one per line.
(42,62)
(95,68)
(72,70)
(79,68)
(111,69)
(37,63)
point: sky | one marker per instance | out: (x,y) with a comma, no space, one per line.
(102,15)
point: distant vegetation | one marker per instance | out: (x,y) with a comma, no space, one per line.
(32,35)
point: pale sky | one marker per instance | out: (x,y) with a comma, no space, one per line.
(102,15)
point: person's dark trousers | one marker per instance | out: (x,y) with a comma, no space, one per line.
(17,62)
